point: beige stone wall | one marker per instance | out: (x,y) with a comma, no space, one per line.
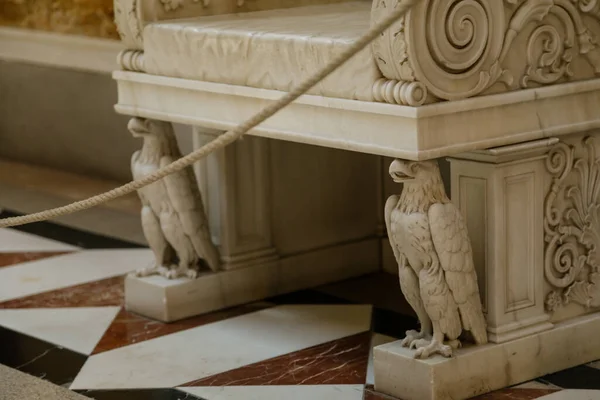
(65,119)
(80,17)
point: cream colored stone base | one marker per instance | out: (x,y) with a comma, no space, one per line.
(477,370)
(171,300)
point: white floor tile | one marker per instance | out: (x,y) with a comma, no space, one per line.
(595,364)
(77,329)
(12,240)
(295,392)
(376,340)
(573,394)
(221,346)
(72,269)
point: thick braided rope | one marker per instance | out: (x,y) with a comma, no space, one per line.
(224,139)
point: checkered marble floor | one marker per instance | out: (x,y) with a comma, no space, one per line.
(61,319)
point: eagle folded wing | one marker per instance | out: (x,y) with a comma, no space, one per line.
(389,207)
(452,244)
(187,202)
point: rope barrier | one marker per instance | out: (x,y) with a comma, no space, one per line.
(224,139)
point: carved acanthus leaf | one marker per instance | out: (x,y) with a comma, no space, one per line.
(572,226)
(390,50)
(460,48)
(128,24)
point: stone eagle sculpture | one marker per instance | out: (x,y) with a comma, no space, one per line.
(435,260)
(173,217)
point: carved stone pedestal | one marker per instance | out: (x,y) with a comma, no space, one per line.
(501,193)
(477,370)
(171,300)
(533,216)
(272,235)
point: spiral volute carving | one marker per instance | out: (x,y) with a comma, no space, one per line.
(454,45)
(451,46)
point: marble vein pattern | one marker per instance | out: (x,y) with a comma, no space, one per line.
(40,358)
(277,39)
(339,362)
(7,259)
(312,344)
(295,392)
(105,292)
(128,328)
(77,329)
(62,271)
(222,346)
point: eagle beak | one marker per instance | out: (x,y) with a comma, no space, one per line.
(137,127)
(400,171)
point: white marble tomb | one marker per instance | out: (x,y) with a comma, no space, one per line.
(507,91)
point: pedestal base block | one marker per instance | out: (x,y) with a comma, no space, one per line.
(477,370)
(170,300)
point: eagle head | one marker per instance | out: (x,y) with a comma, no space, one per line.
(404,171)
(423,184)
(140,127)
(159,138)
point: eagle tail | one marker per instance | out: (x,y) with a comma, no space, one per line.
(473,320)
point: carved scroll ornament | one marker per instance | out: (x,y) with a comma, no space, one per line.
(572,226)
(460,48)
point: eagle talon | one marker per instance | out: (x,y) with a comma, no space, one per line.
(434,347)
(192,273)
(412,336)
(420,343)
(153,270)
(180,272)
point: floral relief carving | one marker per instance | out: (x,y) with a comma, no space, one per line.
(572,225)
(550,53)
(170,5)
(128,24)
(460,48)
(390,50)
(591,7)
